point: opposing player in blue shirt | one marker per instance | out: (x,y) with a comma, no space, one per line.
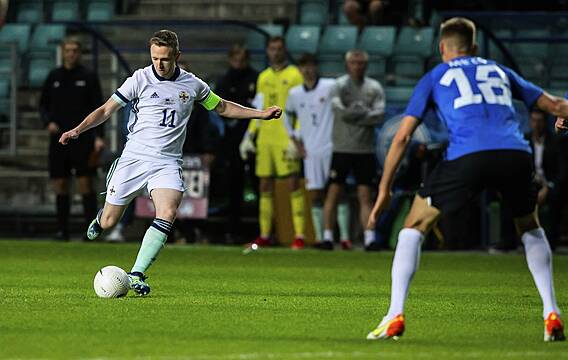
(474,97)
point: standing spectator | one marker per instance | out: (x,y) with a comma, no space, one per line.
(69,94)
(358,103)
(546,159)
(237,85)
(310,105)
(276,155)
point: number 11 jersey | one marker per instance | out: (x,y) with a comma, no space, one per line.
(474,98)
(160,112)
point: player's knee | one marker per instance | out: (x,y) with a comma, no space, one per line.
(527,223)
(168,214)
(422,216)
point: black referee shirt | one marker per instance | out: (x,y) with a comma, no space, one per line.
(68,96)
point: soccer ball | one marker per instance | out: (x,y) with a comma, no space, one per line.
(111,282)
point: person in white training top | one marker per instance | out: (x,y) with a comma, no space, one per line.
(309,123)
(162,97)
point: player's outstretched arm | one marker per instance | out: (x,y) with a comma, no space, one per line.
(233,110)
(394,157)
(95,118)
(556,106)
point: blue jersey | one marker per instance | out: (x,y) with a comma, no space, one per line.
(474,98)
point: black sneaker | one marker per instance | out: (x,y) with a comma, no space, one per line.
(374,246)
(138,283)
(324,245)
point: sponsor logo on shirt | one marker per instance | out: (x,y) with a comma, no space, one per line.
(169,101)
(56,84)
(80,83)
(154,96)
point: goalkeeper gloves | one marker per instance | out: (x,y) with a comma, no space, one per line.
(247,146)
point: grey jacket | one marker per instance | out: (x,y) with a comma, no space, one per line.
(357,109)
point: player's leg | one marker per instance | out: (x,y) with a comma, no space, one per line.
(297,205)
(316,199)
(84,160)
(364,168)
(418,223)
(337,175)
(59,173)
(62,206)
(316,172)
(520,191)
(265,172)
(125,179)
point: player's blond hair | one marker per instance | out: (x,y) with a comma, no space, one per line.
(459,33)
(357,52)
(165,38)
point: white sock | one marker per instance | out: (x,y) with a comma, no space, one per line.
(328,235)
(539,259)
(369,237)
(404,265)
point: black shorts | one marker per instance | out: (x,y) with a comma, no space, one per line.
(79,154)
(363,166)
(454,183)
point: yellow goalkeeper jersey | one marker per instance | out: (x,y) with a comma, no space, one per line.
(272,88)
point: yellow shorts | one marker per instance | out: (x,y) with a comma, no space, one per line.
(271,161)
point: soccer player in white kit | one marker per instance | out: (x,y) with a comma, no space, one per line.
(309,105)
(163,97)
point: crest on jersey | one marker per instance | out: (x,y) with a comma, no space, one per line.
(184,96)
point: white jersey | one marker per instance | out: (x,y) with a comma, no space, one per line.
(160,112)
(312,108)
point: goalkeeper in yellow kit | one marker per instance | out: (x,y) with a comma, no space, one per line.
(276,155)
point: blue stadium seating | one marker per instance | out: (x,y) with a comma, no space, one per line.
(338,39)
(19,33)
(414,42)
(29,11)
(100,10)
(302,38)
(531,50)
(4,86)
(38,71)
(257,41)
(47,36)
(378,40)
(398,94)
(313,12)
(65,10)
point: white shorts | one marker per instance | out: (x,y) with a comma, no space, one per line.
(127,178)
(316,170)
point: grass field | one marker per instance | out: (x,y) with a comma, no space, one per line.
(215,303)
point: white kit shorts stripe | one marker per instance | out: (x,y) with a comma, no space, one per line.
(316,170)
(130,176)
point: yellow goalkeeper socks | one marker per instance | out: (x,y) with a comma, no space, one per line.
(297,202)
(265,212)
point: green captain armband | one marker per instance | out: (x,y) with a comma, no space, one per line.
(211,101)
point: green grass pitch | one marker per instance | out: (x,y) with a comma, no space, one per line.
(215,303)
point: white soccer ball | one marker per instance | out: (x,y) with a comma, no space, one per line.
(111,282)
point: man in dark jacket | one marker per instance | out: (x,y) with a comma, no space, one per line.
(238,85)
(69,94)
(546,157)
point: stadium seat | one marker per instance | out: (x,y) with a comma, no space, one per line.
(256,41)
(100,11)
(398,94)
(65,10)
(331,65)
(559,73)
(302,38)
(408,69)
(532,50)
(4,86)
(378,40)
(38,71)
(47,36)
(313,12)
(534,71)
(414,42)
(559,50)
(18,33)
(29,11)
(338,39)
(377,67)
(5,67)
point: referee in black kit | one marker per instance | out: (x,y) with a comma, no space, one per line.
(69,94)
